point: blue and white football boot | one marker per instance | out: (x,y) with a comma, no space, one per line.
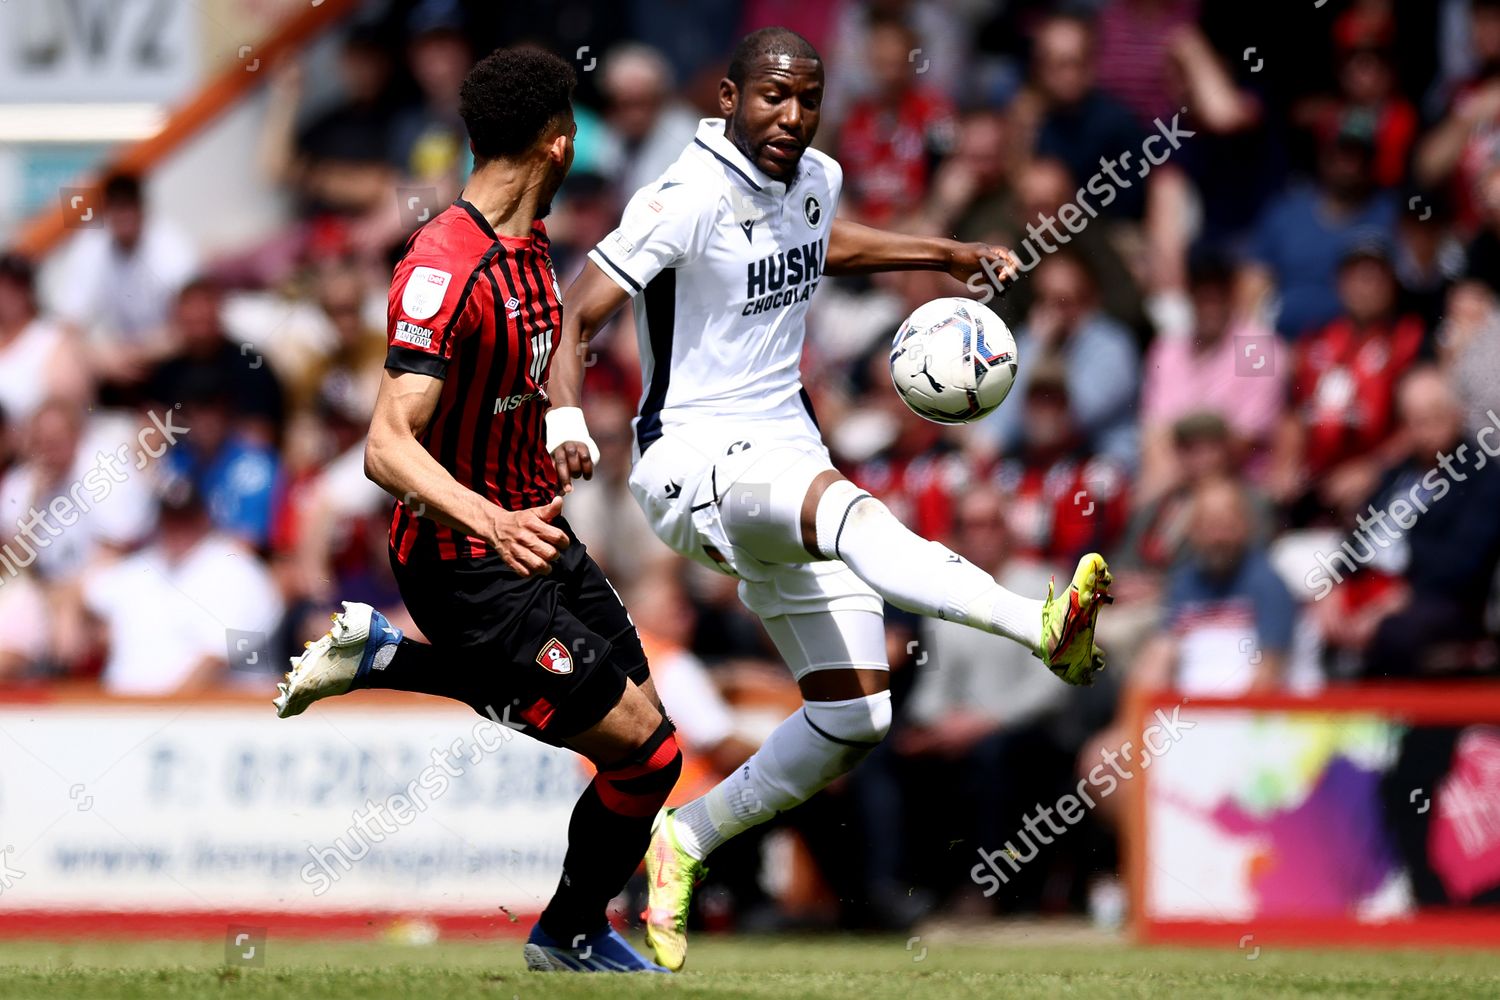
(332,664)
(605,951)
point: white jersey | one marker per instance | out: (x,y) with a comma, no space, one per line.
(722,261)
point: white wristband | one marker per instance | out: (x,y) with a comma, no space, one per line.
(564,424)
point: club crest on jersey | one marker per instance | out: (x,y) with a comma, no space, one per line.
(424,292)
(812,210)
(555,657)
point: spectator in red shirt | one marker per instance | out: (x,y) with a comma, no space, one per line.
(1465,144)
(893,137)
(1367,79)
(1368,89)
(920,474)
(1063,499)
(1336,439)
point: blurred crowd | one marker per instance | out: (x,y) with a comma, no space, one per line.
(1259,330)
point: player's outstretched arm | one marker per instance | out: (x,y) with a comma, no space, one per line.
(591,300)
(396,461)
(857,249)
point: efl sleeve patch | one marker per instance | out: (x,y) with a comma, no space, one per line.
(424,292)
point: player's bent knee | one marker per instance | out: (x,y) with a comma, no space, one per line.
(858,723)
(640,784)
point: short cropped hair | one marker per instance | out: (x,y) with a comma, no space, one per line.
(767,42)
(511,97)
(122,188)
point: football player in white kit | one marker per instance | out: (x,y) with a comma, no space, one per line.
(720,256)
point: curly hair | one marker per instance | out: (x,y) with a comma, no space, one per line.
(511,97)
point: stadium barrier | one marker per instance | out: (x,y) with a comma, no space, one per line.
(1361,815)
(161,817)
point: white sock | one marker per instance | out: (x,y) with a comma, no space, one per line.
(916,574)
(794,763)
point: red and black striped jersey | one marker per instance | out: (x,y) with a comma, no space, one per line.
(482,313)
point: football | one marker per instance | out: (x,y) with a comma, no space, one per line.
(953,360)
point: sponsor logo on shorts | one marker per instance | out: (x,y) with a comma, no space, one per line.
(411,333)
(555,657)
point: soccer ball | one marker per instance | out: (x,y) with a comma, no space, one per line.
(953,360)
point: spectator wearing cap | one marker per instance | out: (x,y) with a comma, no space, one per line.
(1207,367)
(1066,326)
(37,359)
(1303,234)
(893,135)
(429,143)
(202,351)
(172,614)
(1336,437)
(117,281)
(648,126)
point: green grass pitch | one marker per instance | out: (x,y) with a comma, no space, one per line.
(1013,965)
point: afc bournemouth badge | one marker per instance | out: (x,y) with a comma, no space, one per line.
(555,657)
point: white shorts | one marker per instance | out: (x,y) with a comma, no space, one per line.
(732,500)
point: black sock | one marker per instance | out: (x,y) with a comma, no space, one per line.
(603,851)
(607,841)
(414,666)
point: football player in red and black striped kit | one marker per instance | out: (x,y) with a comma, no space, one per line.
(521,624)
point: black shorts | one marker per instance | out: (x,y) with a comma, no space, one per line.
(548,655)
